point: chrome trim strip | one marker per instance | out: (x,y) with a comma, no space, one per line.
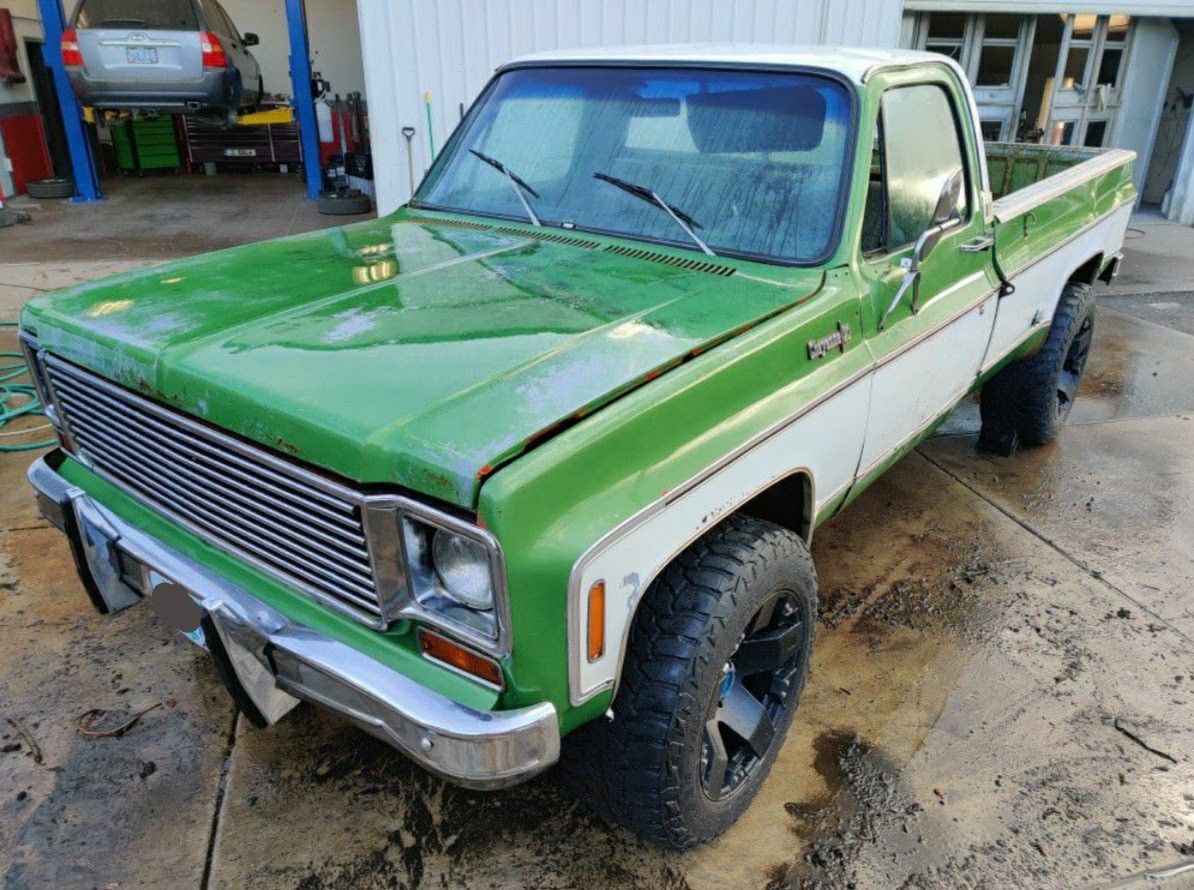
(278,660)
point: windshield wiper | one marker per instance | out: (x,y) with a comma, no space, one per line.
(683,220)
(132,23)
(516,182)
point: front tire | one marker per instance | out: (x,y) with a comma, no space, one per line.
(717,657)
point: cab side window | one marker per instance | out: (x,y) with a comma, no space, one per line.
(918,146)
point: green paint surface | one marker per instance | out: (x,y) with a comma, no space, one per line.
(395,352)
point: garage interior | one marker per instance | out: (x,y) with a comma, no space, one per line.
(181,181)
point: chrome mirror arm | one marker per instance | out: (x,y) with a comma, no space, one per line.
(911,280)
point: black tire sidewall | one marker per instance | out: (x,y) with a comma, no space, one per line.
(706,817)
(49,189)
(1041,416)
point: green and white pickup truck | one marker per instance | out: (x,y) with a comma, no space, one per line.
(527,471)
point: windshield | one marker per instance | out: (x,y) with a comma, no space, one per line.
(171,15)
(756,160)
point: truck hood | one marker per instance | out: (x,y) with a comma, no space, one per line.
(407,350)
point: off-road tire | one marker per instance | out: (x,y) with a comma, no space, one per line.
(46,189)
(1022,400)
(642,768)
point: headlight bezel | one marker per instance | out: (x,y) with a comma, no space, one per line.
(385,522)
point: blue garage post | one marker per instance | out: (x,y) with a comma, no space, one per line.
(304,102)
(82,161)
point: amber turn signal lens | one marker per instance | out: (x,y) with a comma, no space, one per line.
(443,649)
(596,621)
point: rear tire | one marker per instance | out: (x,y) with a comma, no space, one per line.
(717,658)
(1052,376)
(1030,400)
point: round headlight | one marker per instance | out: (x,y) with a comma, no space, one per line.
(463,566)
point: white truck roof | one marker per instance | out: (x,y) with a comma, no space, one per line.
(850,61)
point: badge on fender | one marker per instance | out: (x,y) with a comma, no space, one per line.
(837,340)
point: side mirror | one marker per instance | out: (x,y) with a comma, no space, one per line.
(250,39)
(945,214)
(947,201)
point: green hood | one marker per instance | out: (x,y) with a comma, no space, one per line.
(400,350)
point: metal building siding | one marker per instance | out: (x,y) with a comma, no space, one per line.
(450,48)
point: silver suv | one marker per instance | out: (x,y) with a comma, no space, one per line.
(161,55)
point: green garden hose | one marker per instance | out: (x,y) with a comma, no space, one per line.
(17,400)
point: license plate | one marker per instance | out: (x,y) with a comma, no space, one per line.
(141,55)
(240,152)
(196,636)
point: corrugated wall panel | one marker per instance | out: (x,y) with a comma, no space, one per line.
(449,49)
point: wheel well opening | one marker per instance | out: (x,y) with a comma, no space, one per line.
(788,502)
(1088,271)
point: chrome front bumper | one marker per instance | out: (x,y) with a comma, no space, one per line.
(269,662)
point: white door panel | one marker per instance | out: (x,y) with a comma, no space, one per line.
(917,385)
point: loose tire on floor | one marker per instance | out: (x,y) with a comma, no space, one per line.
(50,188)
(1030,400)
(717,657)
(352,203)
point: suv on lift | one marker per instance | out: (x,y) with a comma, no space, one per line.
(160,55)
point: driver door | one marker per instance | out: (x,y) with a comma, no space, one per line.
(928,344)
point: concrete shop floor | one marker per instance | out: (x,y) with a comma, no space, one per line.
(1002,692)
(162,217)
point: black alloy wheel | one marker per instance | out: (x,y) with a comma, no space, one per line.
(749,702)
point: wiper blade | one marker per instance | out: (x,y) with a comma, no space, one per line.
(132,23)
(519,184)
(683,220)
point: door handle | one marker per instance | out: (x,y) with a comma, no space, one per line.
(978,245)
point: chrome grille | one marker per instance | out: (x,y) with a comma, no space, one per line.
(304,529)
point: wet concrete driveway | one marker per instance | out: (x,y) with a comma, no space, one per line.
(1002,693)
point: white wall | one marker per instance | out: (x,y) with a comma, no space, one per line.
(1175,120)
(449,48)
(1150,60)
(332,30)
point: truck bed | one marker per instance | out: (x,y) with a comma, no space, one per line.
(1012,166)
(1046,193)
